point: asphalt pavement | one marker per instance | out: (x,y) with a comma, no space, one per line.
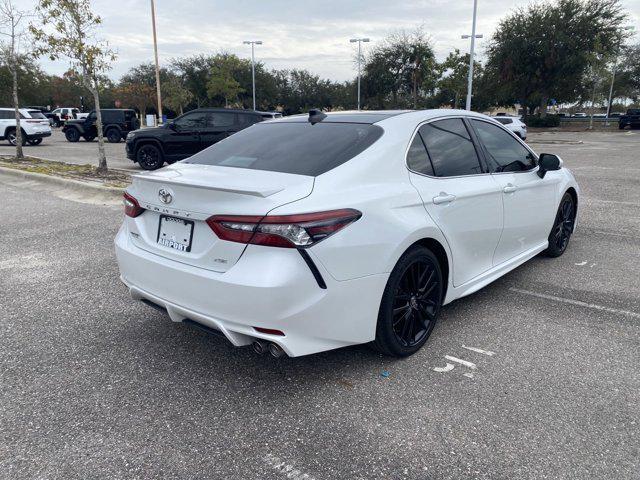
(95,385)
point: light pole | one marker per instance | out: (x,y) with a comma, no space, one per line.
(253,43)
(613,79)
(359,40)
(155,50)
(473,37)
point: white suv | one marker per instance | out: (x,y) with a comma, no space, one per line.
(514,124)
(35,126)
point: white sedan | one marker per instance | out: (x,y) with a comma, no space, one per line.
(318,231)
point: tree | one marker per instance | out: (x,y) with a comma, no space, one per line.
(68,29)
(400,72)
(11,19)
(222,81)
(175,94)
(545,50)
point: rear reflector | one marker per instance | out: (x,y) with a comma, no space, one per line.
(269,331)
(286,231)
(131,206)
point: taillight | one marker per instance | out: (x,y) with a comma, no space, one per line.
(131,206)
(286,231)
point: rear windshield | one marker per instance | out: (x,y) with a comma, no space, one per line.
(36,114)
(503,120)
(300,148)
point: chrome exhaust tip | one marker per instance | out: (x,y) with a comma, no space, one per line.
(275,350)
(259,347)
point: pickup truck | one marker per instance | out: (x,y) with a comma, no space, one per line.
(630,119)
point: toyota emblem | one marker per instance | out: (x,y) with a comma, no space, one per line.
(165,195)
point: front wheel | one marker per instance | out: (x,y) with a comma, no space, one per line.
(562,227)
(149,157)
(35,141)
(410,304)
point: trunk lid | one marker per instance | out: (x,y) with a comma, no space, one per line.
(193,193)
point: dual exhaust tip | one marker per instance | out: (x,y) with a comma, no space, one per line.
(261,347)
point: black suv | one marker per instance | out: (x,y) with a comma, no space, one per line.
(116,124)
(630,119)
(186,135)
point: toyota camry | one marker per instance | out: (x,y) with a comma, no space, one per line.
(318,231)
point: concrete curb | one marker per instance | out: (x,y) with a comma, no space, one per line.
(76,187)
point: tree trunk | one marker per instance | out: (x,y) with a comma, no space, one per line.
(102,157)
(543,106)
(14,75)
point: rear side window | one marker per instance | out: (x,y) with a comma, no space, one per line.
(36,114)
(298,148)
(221,119)
(504,153)
(7,114)
(450,148)
(417,158)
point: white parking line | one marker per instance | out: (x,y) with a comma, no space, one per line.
(447,368)
(288,470)
(579,303)
(461,362)
(479,350)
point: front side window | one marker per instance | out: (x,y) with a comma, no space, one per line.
(504,153)
(417,158)
(298,147)
(192,121)
(450,148)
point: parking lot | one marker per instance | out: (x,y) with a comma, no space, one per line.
(95,385)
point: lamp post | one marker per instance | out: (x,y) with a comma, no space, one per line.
(473,37)
(359,40)
(253,43)
(613,79)
(155,51)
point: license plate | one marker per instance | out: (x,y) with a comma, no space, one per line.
(175,233)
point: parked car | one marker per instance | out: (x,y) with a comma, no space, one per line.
(516,125)
(62,114)
(579,115)
(309,233)
(270,115)
(33,124)
(631,119)
(116,124)
(186,135)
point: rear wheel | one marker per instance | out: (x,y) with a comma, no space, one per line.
(72,134)
(410,304)
(113,135)
(149,157)
(562,227)
(35,141)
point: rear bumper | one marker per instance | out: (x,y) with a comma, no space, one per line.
(268,287)
(39,135)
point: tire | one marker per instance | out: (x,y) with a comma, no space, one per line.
(149,157)
(621,126)
(72,135)
(35,141)
(562,227)
(13,139)
(113,135)
(89,138)
(410,304)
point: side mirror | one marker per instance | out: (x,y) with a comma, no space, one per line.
(548,162)
(171,125)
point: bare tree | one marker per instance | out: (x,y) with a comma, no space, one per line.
(68,29)
(10,27)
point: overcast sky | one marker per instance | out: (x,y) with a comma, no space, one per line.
(296,33)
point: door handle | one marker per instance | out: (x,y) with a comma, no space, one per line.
(509,188)
(443,198)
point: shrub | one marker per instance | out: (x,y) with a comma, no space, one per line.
(543,122)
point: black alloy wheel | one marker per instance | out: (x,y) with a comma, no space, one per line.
(562,227)
(113,135)
(410,305)
(72,134)
(149,157)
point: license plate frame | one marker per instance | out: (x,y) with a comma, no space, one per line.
(172,243)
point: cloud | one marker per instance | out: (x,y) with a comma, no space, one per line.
(296,33)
